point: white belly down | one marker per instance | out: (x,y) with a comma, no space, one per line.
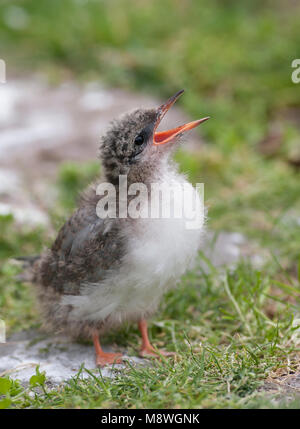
(159,251)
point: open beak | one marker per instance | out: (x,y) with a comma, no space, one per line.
(163,137)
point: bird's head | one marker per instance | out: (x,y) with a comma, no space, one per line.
(133,146)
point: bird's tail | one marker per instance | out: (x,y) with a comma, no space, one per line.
(28,263)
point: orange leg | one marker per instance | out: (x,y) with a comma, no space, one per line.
(147,348)
(103,358)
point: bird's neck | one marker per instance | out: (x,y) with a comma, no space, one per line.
(152,171)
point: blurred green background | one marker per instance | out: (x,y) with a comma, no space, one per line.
(233,58)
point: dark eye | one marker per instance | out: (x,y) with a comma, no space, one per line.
(139,140)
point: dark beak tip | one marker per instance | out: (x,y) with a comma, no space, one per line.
(179,93)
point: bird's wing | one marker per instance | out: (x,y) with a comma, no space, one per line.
(84,250)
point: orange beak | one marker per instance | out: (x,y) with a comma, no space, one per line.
(169,135)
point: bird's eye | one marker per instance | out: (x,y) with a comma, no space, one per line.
(139,140)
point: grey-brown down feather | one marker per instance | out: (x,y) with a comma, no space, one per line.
(85,249)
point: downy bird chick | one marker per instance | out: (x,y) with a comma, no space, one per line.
(103,271)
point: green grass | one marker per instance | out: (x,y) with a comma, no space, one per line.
(234,60)
(225,341)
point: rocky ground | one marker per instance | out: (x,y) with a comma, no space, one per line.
(58,356)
